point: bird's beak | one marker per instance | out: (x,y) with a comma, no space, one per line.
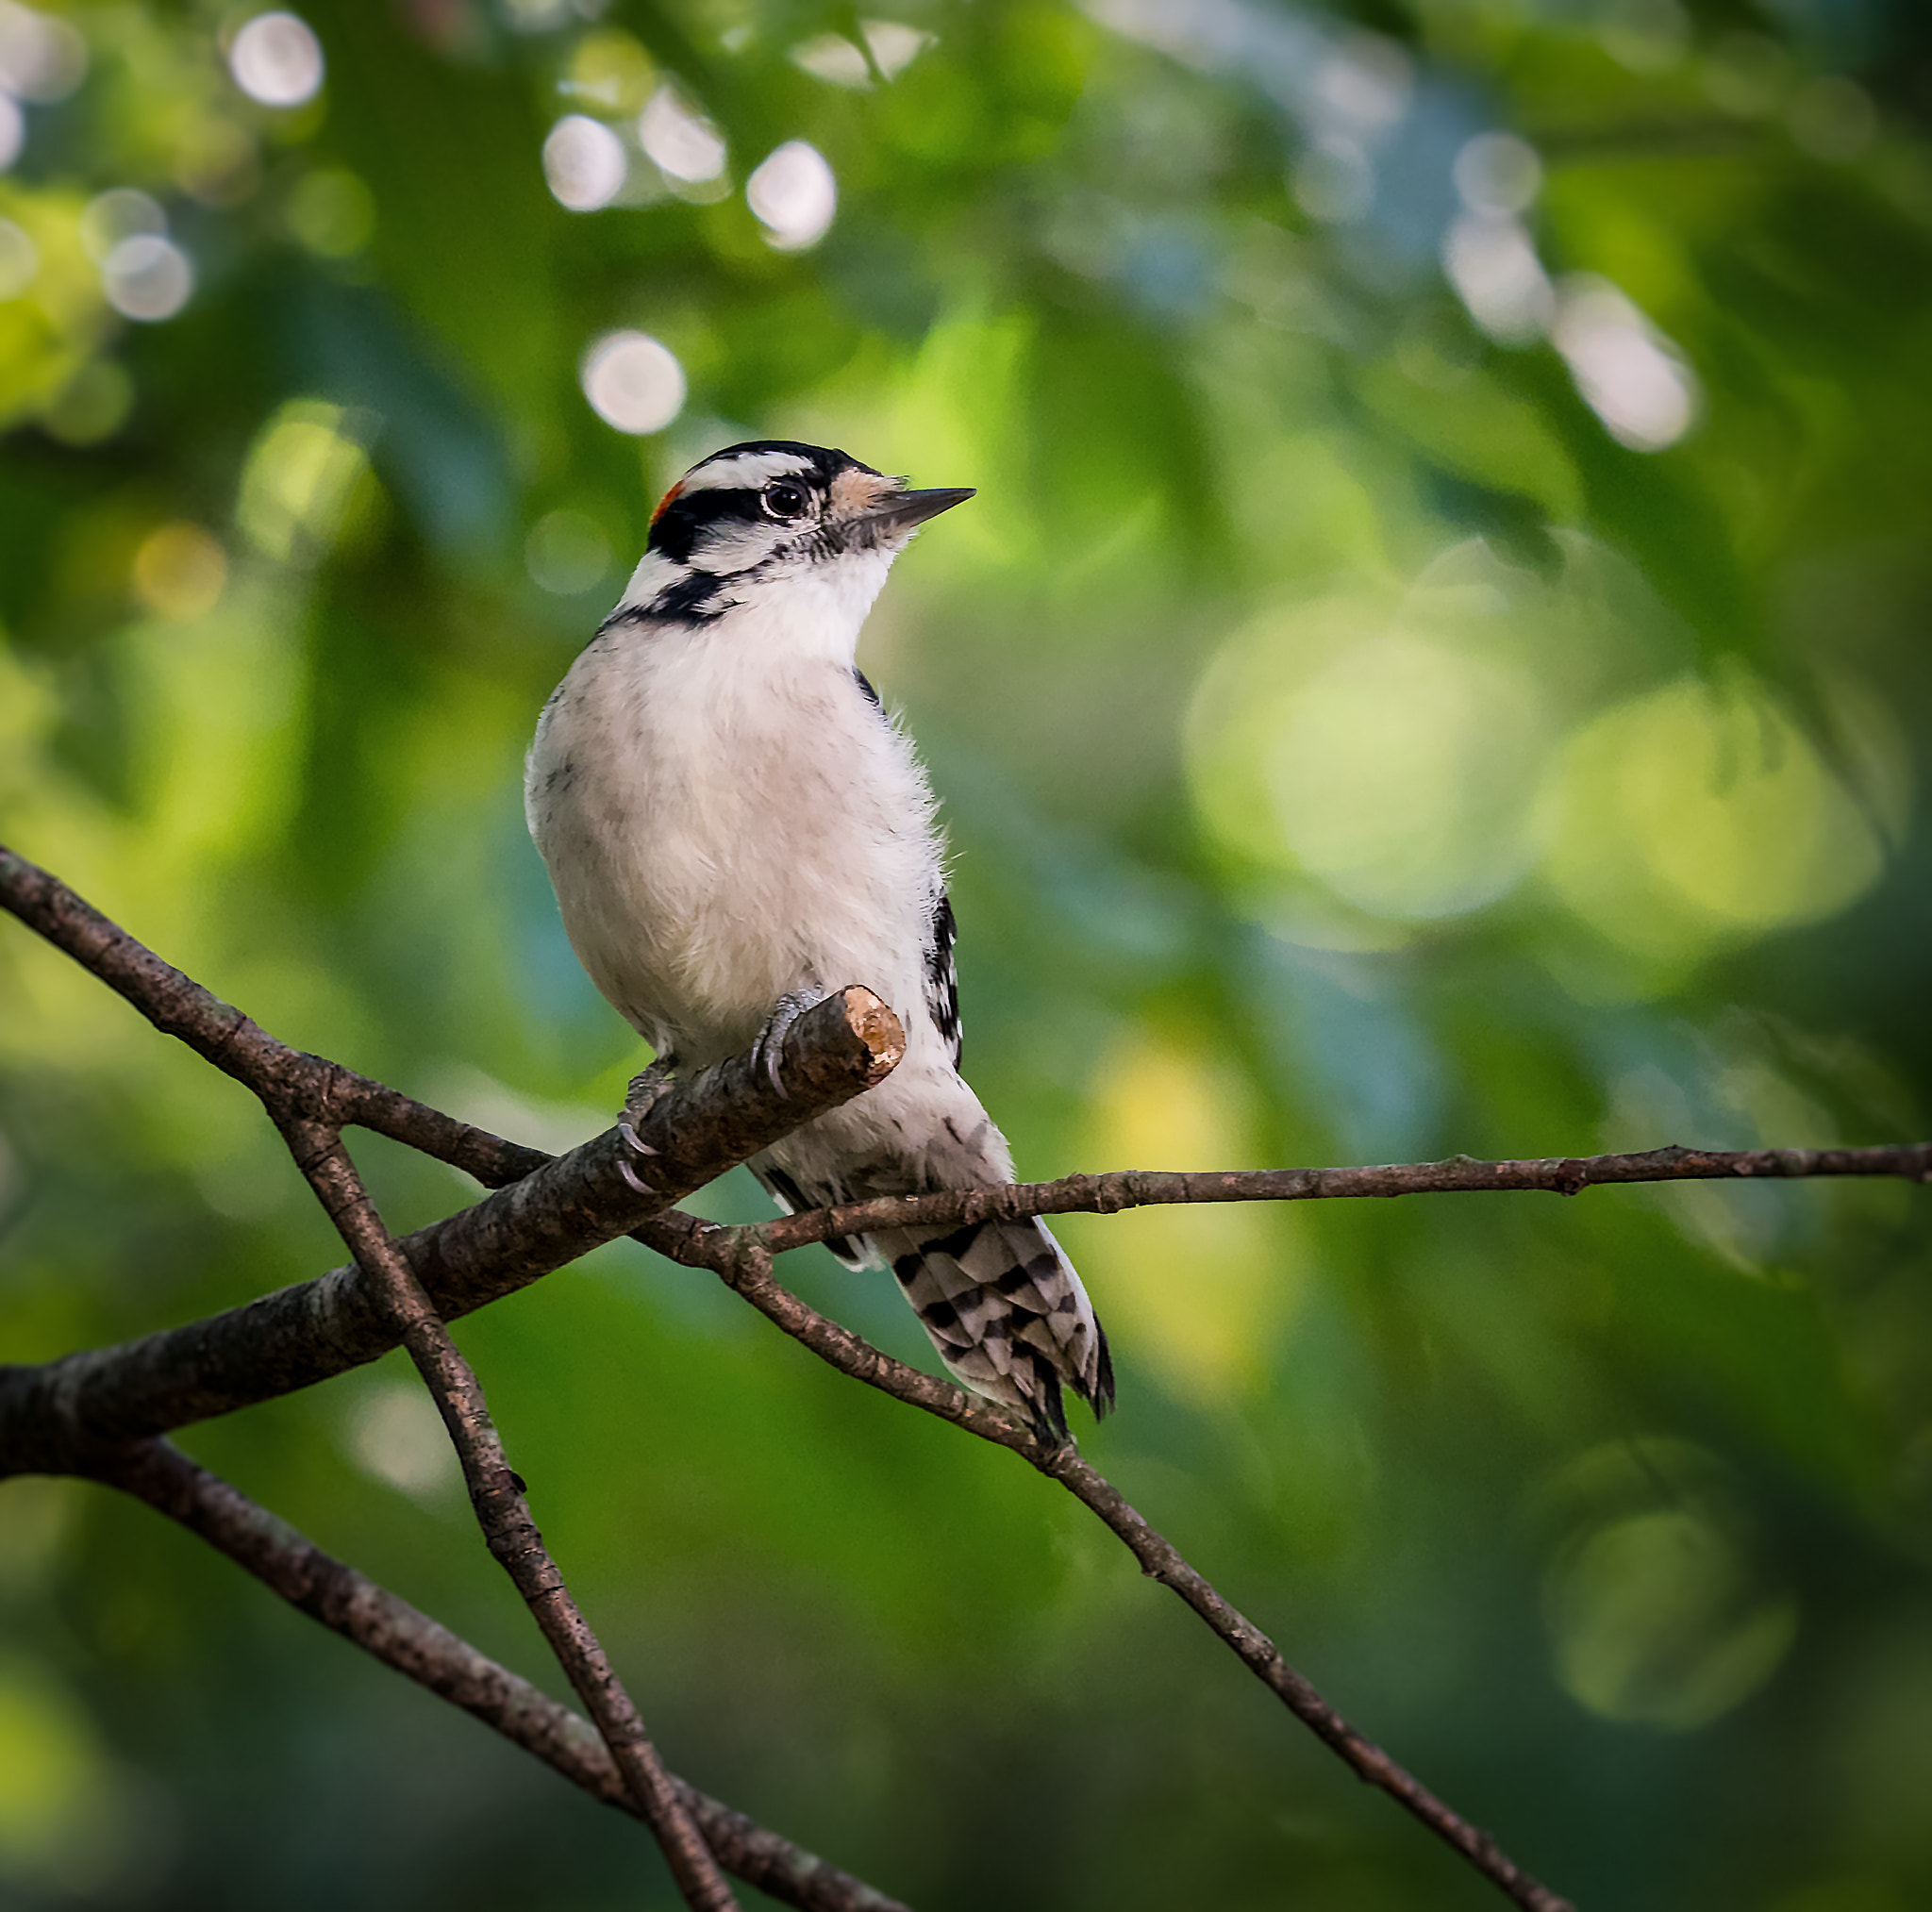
(905,510)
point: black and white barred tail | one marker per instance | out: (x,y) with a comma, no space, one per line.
(1006,1313)
(998,1300)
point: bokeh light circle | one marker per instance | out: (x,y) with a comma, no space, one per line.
(682,143)
(276,59)
(1628,373)
(566,553)
(1698,815)
(633,382)
(795,195)
(121,212)
(584,163)
(147,277)
(1498,172)
(43,56)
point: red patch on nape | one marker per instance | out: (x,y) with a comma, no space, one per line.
(665,503)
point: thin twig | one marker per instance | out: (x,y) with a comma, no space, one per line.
(410,1642)
(503,1511)
(1122,1188)
(747,1267)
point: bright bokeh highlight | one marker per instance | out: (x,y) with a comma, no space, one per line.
(43,57)
(584,163)
(795,195)
(1629,374)
(179,570)
(633,382)
(683,144)
(396,1435)
(20,261)
(1492,263)
(1660,1612)
(892,47)
(276,59)
(1699,815)
(147,277)
(1388,751)
(122,213)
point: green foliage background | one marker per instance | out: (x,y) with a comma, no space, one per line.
(1352,751)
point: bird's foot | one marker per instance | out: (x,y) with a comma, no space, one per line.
(647,1089)
(771,1042)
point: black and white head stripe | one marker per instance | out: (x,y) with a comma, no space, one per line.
(765,483)
(747,467)
(747,519)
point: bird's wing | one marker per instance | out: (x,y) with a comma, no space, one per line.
(943,977)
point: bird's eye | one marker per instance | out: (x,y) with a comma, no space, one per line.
(785,501)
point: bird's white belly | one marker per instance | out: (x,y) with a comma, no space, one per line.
(714,852)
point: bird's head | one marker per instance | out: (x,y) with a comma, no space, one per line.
(775,525)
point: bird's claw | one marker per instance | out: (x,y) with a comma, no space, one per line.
(637,1146)
(640,1099)
(766,1051)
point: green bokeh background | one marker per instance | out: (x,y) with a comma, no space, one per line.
(1381,711)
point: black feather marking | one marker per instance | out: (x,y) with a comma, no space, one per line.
(942,978)
(625,614)
(689,516)
(784,1190)
(697,598)
(866,689)
(958,1245)
(1044,1407)
(1101,1400)
(782,1187)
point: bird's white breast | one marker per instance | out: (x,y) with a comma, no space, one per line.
(727,820)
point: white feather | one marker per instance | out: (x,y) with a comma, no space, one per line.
(743,470)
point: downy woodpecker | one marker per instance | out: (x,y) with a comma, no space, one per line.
(735,828)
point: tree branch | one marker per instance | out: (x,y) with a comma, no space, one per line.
(307,1332)
(1109,1194)
(409,1641)
(503,1509)
(854,1043)
(746,1265)
(559,1208)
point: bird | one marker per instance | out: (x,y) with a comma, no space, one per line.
(736,826)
